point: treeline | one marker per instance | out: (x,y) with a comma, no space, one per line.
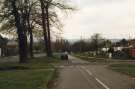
(95,43)
(30,19)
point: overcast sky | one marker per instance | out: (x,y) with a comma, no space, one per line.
(111,18)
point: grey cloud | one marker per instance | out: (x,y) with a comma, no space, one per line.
(96,2)
(115,20)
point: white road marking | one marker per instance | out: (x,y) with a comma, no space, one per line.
(84,75)
(100,82)
(105,86)
(83,67)
(88,72)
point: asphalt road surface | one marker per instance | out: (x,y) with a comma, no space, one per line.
(83,75)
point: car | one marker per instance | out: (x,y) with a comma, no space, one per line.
(64,56)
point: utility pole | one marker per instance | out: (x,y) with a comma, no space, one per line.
(81,40)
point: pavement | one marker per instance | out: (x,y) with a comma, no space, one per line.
(80,74)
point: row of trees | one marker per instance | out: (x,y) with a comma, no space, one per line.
(61,45)
(30,19)
(95,43)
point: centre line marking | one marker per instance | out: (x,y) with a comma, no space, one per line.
(100,82)
(83,67)
(105,86)
(88,72)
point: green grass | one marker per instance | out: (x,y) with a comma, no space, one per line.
(36,74)
(128,69)
(25,79)
(91,59)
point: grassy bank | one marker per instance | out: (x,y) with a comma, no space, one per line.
(36,74)
(125,68)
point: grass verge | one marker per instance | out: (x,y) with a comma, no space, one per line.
(125,68)
(36,74)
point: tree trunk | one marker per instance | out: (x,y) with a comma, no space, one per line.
(31,44)
(28,26)
(44,27)
(22,38)
(48,31)
(31,38)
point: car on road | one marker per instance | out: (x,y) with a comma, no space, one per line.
(64,56)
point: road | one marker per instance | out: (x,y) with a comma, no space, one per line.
(83,75)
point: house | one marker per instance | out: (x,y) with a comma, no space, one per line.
(8,47)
